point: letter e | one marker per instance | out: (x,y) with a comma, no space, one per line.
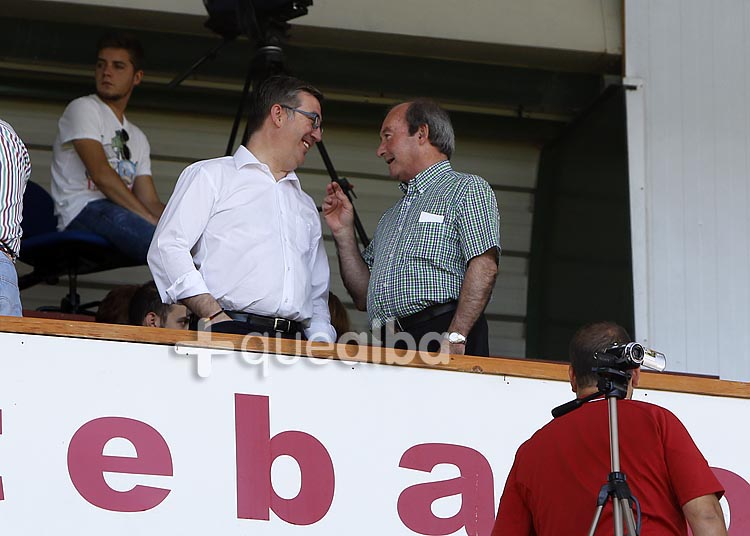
(87,463)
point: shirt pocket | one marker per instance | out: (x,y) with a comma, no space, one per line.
(303,234)
(431,239)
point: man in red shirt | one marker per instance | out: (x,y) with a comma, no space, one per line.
(557,474)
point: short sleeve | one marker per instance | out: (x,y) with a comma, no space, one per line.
(689,471)
(478,219)
(81,120)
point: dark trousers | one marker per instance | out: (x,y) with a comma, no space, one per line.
(477,342)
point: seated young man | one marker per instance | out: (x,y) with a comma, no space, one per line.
(101,164)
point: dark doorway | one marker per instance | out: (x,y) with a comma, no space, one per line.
(580,264)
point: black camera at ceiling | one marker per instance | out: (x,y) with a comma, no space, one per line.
(231,18)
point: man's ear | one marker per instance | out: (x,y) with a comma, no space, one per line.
(152,320)
(572,378)
(276,114)
(423,134)
(137,77)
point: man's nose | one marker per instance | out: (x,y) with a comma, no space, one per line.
(317,134)
(380,151)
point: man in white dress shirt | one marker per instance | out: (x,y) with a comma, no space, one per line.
(240,243)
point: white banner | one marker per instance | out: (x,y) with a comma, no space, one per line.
(100,437)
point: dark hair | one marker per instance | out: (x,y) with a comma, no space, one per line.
(146,300)
(588,340)
(428,112)
(113,309)
(279,89)
(125,41)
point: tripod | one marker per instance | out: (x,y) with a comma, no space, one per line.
(269,33)
(612,385)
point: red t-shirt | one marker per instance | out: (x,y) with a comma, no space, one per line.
(555,480)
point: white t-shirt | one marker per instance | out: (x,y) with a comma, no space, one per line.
(90,118)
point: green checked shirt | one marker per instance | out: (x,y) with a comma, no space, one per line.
(423,243)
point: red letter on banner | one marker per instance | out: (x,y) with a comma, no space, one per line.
(738,496)
(475,486)
(2,493)
(87,463)
(256,451)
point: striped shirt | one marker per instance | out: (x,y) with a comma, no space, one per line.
(15,170)
(423,243)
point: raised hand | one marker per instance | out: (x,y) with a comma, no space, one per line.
(337,209)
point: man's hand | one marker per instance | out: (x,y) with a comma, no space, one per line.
(337,209)
(91,153)
(448,348)
(204,305)
(339,215)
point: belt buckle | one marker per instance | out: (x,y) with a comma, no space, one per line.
(277,321)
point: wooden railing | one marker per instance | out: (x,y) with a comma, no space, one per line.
(529,368)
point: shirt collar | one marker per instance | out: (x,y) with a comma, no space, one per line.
(426,177)
(123,123)
(243,157)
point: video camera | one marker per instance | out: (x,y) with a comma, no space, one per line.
(630,356)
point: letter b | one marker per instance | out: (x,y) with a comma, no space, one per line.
(256,451)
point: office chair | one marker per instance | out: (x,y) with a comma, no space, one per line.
(54,253)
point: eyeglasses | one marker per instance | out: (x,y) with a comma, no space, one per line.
(312,116)
(123,137)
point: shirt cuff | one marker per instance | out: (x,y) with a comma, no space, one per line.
(189,285)
(320,332)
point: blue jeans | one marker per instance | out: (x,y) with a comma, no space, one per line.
(127,231)
(10,299)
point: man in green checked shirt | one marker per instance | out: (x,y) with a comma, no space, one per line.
(431,266)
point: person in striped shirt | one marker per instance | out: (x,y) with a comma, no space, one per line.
(15,170)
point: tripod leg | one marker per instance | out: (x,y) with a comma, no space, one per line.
(627,513)
(595,522)
(617,515)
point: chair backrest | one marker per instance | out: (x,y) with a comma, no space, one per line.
(38,211)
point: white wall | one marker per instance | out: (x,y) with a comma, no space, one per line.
(689,137)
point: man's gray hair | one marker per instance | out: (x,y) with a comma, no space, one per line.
(428,112)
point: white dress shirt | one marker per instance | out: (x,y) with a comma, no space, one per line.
(255,244)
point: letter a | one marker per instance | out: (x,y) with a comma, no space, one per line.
(475,486)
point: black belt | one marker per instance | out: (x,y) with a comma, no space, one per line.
(5,248)
(407,322)
(267,323)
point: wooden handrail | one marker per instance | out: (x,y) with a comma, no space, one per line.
(501,366)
